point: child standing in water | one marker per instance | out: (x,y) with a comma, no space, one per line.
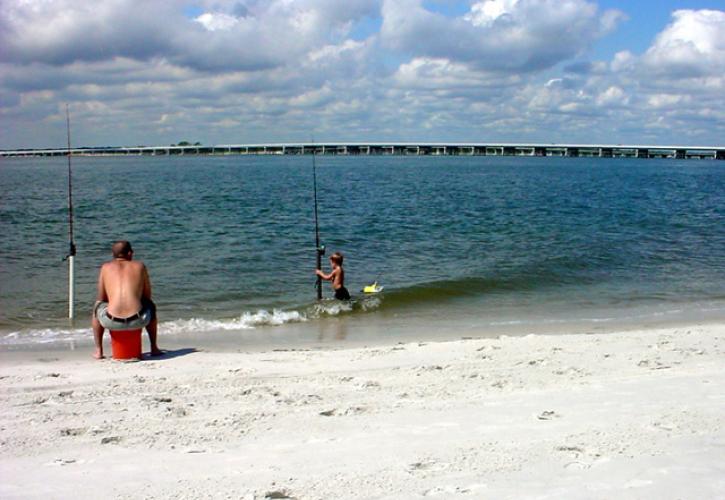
(336,276)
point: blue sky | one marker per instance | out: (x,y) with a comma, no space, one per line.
(223,72)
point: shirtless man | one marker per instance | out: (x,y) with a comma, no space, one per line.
(123,301)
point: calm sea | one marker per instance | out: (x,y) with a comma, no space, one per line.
(463,245)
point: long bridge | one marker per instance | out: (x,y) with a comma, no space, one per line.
(395,148)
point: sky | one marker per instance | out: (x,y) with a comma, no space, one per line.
(147,72)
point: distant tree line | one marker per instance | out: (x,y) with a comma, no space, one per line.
(187,143)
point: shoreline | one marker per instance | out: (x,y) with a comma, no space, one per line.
(349,331)
(627,414)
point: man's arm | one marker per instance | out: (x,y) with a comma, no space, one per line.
(146,294)
(101,295)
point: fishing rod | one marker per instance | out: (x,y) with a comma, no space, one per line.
(71,242)
(319,249)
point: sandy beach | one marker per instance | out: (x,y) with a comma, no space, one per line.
(637,414)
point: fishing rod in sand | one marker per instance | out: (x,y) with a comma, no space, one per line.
(71,243)
(319,249)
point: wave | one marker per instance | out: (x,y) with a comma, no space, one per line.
(452,289)
(245,321)
(408,298)
(46,336)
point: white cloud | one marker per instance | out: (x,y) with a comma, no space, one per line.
(225,37)
(64,31)
(613,96)
(623,61)
(683,69)
(693,45)
(446,75)
(658,101)
(313,98)
(335,51)
(255,70)
(216,21)
(521,35)
(487,12)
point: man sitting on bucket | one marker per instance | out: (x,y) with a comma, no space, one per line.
(123,301)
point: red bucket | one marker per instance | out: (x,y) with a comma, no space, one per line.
(126,344)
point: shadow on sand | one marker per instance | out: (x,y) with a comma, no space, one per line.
(170,354)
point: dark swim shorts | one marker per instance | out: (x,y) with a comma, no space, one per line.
(342,294)
(133,322)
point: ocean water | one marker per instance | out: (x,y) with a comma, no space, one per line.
(463,245)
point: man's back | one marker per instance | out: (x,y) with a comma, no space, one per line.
(123,282)
(123,299)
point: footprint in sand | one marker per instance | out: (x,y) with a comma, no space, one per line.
(278,494)
(577,465)
(111,440)
(581,458)
(73,432)
(62,461)
(664,426)
(548,415)
(430,368)
(449,491)
(575,451)
(427,465)
(355,410)
(177,411)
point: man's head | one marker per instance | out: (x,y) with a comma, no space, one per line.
(336,258)
(122,250)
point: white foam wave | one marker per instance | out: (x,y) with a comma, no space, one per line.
(246,321)
(332,307)
(370,303)
(329,308)
(46,336)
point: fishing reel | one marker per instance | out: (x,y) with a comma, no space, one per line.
(321,250)
(71,251)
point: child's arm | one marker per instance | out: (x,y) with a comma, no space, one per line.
(327,277)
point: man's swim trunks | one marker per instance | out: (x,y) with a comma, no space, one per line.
(133,322)
(342,294)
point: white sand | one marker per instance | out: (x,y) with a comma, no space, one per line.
(621,415)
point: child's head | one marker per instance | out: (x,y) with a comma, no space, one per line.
(336,258)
